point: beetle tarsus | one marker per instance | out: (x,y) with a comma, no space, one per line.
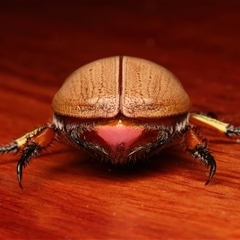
(12,147)
(202,153)
(197,146)
(31,150)
(232,131)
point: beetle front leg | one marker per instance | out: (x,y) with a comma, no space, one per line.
(198,148)
(30,145)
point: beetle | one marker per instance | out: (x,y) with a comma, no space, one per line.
(121,109)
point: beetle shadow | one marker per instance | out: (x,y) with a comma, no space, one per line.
(166,161)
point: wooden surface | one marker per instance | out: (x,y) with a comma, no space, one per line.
(67,195)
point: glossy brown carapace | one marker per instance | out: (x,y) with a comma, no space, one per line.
(135,87)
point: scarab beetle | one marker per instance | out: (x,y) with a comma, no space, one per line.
(121,109)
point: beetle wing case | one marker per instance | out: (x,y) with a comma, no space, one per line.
(131,86)
(91,91)
(146,90)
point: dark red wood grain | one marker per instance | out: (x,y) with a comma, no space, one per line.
(69,195)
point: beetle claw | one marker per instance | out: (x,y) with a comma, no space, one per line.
(212,170)
(19,176)
(198,148)
(31,145)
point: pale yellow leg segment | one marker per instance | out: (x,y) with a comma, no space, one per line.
(22,140)
(19,143)
(205,121)
(211,123)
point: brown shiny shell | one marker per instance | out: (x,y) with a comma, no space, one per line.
(135,87)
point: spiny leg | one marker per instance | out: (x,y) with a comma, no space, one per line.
(31,150)
(198,148)
(232,131)
(19,143)
(12,147)
(31,145)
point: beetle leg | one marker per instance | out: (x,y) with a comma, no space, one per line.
(31,145)
(232,131)
(12,147)
(205,121)
(198,148)
(151,148)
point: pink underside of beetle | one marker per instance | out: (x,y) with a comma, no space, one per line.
(119,134)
